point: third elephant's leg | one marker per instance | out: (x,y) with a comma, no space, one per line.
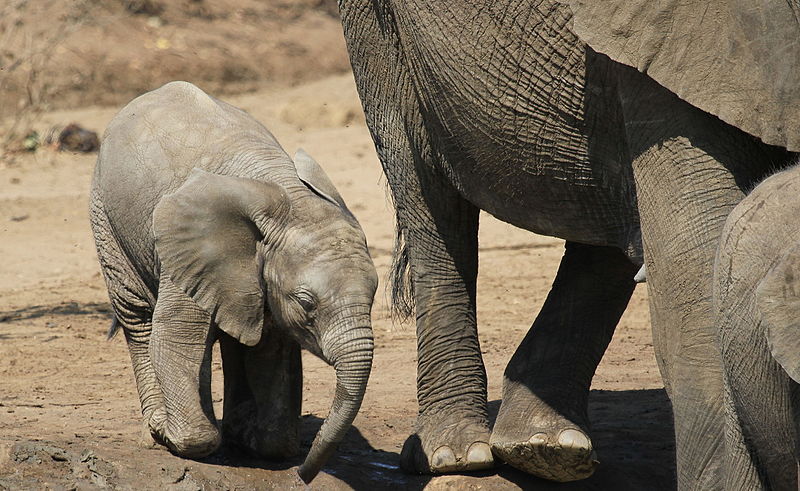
(690,171)
(263,394)
(180,350)
(542,425)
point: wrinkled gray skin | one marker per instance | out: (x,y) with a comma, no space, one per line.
(757,301)
(206,229)
(499,106)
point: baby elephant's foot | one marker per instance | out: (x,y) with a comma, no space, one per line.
(192,441)
(452,444)
(153,428)
(550,446)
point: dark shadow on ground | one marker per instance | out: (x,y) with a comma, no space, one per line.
(64,308)
(356,462)
(632,431)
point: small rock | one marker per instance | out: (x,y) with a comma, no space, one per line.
(75,138)
(144,7)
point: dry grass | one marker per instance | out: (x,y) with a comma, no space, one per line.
(24,54)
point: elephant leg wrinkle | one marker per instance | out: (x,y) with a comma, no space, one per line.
(190,428)
(542,426)
(452,429)
(689,175)
(132,303)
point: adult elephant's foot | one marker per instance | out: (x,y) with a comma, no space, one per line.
(447,443)
(541,426)
(533,437)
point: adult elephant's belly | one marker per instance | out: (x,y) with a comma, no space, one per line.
(560,203)
(527,119)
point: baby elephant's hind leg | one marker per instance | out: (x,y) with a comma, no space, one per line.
(180,349)
(263,394)
(132,303)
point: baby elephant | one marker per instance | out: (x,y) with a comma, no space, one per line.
(757,301)
(207,230)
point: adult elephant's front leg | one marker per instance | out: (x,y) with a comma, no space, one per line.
(690,171)
(440,229)
(441,233)
(542,427)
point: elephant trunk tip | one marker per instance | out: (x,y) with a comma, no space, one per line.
(309,469)
(352,367)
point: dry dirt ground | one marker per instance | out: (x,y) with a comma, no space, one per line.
(69,414)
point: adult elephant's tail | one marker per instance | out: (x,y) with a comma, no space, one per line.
(400,280)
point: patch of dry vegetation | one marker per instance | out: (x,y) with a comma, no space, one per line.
(57,54)
(24,56)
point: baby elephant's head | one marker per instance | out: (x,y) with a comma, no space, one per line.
(257,255)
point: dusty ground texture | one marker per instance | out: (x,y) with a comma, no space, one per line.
(69,414)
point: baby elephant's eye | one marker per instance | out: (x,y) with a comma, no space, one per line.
(306,301)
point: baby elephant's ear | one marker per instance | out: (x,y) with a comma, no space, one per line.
(311,173)
(778,299)
(206,235)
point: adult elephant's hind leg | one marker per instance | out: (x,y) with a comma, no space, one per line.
(180,350)
(263,394)
(542,426)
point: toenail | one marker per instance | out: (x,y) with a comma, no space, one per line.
(574,439)
(480,453)
(538,439)
(442,458)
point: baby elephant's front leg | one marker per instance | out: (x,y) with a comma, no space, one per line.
(263,394)
(180,349)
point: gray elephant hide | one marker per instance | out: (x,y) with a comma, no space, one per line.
(738,60)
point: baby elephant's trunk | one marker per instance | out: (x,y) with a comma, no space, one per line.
(351,355)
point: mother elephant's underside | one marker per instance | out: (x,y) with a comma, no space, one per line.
(501,106)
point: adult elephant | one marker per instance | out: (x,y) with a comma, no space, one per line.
(501,106)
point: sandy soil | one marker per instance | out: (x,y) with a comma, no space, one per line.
(69,414)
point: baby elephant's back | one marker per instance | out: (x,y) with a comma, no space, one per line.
(153,143)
